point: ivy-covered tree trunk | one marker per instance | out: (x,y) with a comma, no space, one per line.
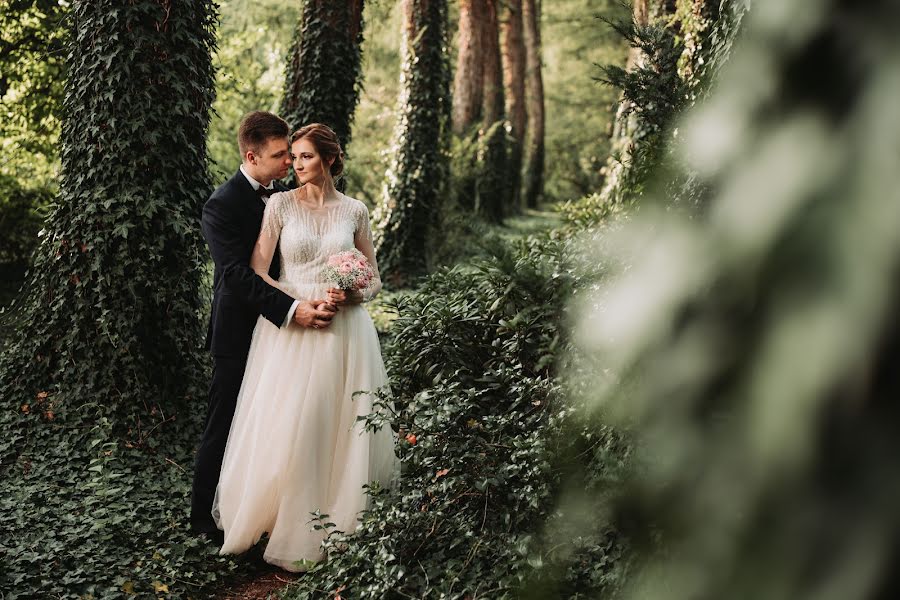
(534,82)
(324,67)
(110,314)
(417,174)
(493,181)
(514,82)
(468,82)
(651,45)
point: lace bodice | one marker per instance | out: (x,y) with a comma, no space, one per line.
(308,236)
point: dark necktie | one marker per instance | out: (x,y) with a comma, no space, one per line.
(263,192)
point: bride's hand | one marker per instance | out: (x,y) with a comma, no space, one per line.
(340,297)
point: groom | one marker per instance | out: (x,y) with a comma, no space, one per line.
(231,222)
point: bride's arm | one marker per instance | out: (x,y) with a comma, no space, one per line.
(362,239)
(364,244)
(263,251)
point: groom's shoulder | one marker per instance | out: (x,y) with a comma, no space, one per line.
(229,187)
(227,193)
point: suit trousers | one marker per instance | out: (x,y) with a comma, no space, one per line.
(223,392)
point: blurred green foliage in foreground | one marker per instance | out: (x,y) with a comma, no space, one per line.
(752,345)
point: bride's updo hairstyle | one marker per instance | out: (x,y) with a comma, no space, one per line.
(326,143)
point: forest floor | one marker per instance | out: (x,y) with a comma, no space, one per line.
(266,582)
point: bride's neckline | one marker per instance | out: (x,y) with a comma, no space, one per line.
(327,204)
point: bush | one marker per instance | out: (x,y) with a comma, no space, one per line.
(21,216)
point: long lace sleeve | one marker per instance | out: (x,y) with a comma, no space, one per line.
(364,242)
(267,242)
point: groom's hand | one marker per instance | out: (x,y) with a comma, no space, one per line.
(314,313)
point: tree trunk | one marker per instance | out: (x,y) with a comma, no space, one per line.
(493,181)
(418,172)
(534,161)
(109,318)
(468,82)
(514,83)
(324,66)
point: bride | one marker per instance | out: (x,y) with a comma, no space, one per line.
(295,445)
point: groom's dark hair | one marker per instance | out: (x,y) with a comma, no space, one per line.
(257,128)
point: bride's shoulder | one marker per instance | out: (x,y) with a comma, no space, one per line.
(279,197)
(280,200)
(354,204)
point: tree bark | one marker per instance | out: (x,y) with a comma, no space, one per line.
(417,175)
(514,84)
(323,74)
(109,316)
(468,83)
(534,161)
(493,182)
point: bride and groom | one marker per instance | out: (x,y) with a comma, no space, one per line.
(289,350)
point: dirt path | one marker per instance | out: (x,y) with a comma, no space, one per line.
(260,587)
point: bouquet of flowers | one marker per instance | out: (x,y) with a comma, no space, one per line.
(349,270)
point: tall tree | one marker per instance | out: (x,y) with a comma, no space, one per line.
(514,82)
(417,174)
(323,71)
(468,82)
(109,314)
(493,181)
(534,82)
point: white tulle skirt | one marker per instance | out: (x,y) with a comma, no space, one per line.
(295,446)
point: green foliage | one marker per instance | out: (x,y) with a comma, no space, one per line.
(376,115)
(323,71)
(578,110)
(653,89)
(20,220)
(32,71)
(253,39)
(417,177)
(752,344)
(479,182)
(98,381)
(591,211)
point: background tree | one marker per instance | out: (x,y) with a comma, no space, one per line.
(493,179)
(468,82)
(533,175)
(118,260)
(108,328)
(418,170)
(323,71)
(514,84)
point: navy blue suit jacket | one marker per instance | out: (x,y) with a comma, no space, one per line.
(231,222)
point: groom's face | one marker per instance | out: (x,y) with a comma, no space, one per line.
(273,161)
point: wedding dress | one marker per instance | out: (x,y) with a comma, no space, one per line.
(295,445)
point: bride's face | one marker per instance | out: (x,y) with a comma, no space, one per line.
(308,164)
